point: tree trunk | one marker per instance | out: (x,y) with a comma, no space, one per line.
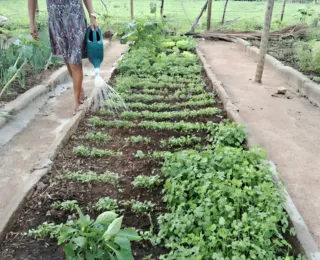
(198,18)
(161,8)
(209,15)
(264,41)
(131,9)
(224,11)
(283,8)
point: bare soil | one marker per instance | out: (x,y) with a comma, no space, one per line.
(284,51)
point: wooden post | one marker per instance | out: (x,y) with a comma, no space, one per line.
(224,11)
(161,8)
(198,18)
(209,15)
(264,41)
(37,8)
(131,9)
(283,8)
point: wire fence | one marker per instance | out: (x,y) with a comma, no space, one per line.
(181,14)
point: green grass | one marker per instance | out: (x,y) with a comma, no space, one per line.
(180,13)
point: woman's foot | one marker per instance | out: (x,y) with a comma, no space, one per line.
(83,96)
(76,108)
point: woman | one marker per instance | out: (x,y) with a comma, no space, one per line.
(67,29)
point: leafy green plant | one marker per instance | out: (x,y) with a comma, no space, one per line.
(67,205)
(106,203)
(180,141)
(98,122)
(140,154)
(229,134)
(86,238)
(107,177)
(172,114)
(81,150)
(138,139)
(148,182)
(96,137)
(142,207)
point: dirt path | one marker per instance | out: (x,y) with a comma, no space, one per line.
(25,150)
(288,128)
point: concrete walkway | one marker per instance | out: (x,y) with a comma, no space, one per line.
(288,128)
(20,155)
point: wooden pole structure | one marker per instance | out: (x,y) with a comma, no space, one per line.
(161,8)
(198,18)
(264,41)
(131,9)
(209,15)
(224,11)
(283,8)
(37,8)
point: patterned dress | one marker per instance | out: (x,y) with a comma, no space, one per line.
(67,29)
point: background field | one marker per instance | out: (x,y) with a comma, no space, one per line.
(180,13)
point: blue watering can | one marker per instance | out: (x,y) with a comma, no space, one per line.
(95,48)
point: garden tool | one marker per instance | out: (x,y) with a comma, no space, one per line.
(104,96)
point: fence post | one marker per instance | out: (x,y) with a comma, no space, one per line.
(131,9)
(198,18)
(224,11)
(264,41)
(161,8)
(209,15)
(283,8)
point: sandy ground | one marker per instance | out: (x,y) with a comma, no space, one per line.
(19,155)
(288,128)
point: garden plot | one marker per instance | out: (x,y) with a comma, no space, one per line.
(171,166)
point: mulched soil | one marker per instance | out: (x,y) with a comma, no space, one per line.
(284,51)
(31,81)
(50,189)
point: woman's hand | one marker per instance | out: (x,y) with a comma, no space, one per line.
(34,31)
(93,23)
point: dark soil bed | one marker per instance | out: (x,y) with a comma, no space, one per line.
(38,208)
(284,51)
(31,81)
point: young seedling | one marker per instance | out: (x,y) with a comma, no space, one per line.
(67,205)
(138,139)
(107,203)
(107,177)
(148,182)
(139,154)
(96,137)
(83,151)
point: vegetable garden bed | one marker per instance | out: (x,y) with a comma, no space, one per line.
(218,200)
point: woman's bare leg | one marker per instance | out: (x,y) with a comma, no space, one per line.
(77,78)
(82,94)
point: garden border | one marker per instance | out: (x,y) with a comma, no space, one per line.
(305,241)
(44,166)
(292,77)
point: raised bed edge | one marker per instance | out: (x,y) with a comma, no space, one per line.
(293,78)
(305,241)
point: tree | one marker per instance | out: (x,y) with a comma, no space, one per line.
(283,8)
(224,11)
(209,15)
(264,40)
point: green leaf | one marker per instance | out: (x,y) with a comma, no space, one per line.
(113,228)
(129,233)
(80,241)
(222,221)
(106,217)
(124,255)
(123,242)
(68,249)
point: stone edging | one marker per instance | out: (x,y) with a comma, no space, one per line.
(305,243)
(293,78)
(46,162)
